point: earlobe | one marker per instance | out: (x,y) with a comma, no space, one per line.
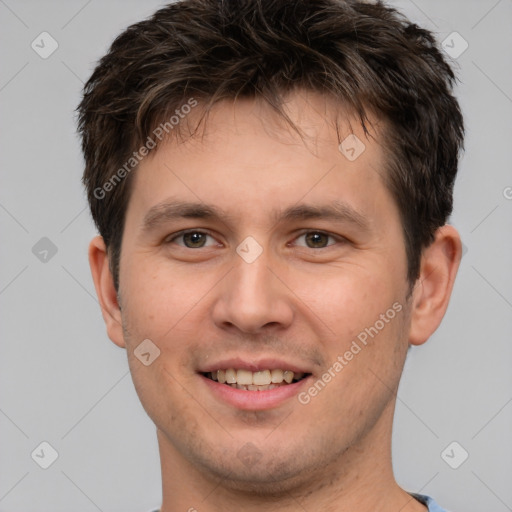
(431,295)
(105,290)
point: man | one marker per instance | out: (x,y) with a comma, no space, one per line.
(271,181)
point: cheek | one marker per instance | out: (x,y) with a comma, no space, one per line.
(368,320)
(156,299)
(351,301)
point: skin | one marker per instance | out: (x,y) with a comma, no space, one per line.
(301,299)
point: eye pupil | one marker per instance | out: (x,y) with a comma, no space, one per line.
(316,239)
(196,239)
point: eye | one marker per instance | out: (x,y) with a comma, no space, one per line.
(192,239)
(195,239)
(317,239)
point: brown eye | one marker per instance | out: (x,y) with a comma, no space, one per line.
(190,239)
(194,239)
(316,239)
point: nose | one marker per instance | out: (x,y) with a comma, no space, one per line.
(253,297)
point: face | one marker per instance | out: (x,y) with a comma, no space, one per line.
(256,252)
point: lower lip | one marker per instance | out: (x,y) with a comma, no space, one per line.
(254,400)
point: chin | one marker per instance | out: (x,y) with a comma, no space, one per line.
(272,475)
(264,481)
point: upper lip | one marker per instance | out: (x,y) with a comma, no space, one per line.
(254,365)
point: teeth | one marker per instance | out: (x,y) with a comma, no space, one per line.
(230,376)
(261,380)
(251,387)
(288,376)
(277,376)
(244,377)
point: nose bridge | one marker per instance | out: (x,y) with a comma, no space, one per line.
(252,296)
(252,278)
(252,288)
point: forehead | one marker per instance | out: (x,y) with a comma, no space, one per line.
(250,159)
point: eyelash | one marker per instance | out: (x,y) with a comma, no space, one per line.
(175,236)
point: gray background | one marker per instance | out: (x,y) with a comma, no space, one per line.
(64,382)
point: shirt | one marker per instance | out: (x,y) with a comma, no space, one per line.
(426,500)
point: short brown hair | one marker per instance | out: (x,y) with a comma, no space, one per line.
(367,55)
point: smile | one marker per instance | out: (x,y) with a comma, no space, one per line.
(255,381)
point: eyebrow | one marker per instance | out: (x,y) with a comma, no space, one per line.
(171,210)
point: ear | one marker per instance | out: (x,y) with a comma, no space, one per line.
(439,264)
(107,295)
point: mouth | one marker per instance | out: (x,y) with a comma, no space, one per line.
(252,384)
(262,380)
